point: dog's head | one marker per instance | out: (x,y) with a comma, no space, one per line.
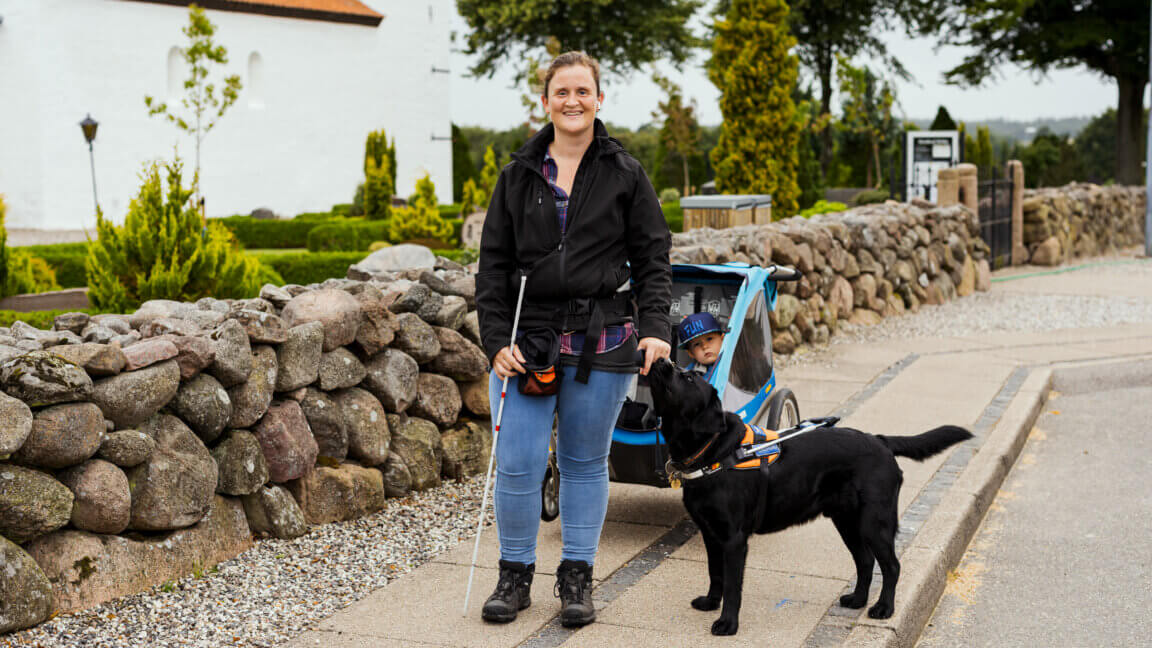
(689,408)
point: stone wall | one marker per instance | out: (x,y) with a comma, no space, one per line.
(137,448)
(1078,220)
(858,266)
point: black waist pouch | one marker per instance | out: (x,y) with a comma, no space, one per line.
(541,350)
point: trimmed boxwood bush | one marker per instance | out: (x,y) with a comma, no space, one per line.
(266,233)
(346,236)
(310,267)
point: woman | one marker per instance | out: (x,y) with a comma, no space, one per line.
(577,216)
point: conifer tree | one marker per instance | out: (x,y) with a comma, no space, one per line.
(477,194)
(420,219)
(163,252)
(378,189)
(755,73)
(3,242)
(376,148)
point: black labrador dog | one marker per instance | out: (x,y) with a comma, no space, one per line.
(844,474)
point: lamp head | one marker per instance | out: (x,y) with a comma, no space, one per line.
(89,127)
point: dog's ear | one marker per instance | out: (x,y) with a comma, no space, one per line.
(710,419)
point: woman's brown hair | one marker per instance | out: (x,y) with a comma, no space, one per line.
(572,58)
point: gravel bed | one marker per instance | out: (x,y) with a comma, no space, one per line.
(279,588)
(276,590)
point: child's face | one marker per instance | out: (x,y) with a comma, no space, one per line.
(706,348)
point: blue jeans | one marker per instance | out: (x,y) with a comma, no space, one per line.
(586,415)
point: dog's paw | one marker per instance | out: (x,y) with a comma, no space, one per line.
(880,611)
(852,601)
(724,627)
(705,603)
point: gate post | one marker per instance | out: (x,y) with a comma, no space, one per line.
(968,186)
(1016,175)
(947,187)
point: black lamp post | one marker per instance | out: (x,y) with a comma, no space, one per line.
(89,127)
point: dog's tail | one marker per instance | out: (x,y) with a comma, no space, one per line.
(922,446)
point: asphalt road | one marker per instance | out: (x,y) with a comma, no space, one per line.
(1064,556)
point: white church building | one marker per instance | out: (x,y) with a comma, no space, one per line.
(318,76)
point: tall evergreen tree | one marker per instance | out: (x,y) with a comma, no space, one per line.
(755,73)
(679,134)
(462,166)
(943,120)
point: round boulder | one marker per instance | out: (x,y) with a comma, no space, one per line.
(287,443)
(232,353)
(437,399)
(340,369)
(43,378)
(365,420)
(417,443)
(31,503)
(126,448)
(175,486)
(327,423)
(132,397)
(204,405)
(336,310)
(458,359)
(102,500)
(241,463)
(250,399)
(24,589)
(299,357)
(15,423)
(397,479)
(63,435)
(392,379)
(416,337)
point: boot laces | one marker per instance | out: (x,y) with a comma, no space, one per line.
(570,586)
(506,586)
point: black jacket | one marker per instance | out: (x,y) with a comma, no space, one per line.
(614,220)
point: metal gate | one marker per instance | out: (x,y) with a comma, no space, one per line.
(996,220)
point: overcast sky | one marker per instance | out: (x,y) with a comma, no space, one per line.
(1017,95)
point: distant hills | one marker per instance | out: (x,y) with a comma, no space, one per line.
(1021,130)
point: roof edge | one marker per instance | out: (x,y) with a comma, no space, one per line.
(239,6)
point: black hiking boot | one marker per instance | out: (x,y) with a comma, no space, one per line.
(511,593)
(574,587)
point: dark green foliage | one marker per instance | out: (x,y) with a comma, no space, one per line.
(20,271)
(674,216)
(269,234)
(943,120)
(313,216)
(622,35)
(342,210)
(163,252)
(67,264)
(1050,160)
(1109,37)
(310,267)
(346,236)
(463,168)
(3,243)
(1096,146)
(42,320)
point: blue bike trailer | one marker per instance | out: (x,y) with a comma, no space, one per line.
(740,296)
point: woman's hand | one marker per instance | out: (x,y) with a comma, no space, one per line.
(654,349)
(508,361)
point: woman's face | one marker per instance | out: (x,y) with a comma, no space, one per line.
(571,99)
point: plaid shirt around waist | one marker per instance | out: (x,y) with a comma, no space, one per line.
(571,342)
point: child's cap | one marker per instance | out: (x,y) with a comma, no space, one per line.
(695,325)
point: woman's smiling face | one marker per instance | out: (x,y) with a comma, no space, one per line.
(571,99)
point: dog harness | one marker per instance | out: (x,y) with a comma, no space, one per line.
(757,450)
(741,459)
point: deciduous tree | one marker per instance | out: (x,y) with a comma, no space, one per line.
(1109,37)
(680,133)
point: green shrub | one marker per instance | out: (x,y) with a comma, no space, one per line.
(261,233)
(28,274)
(421,218)
(462,256)
(3,244)
(823,207)
(346,236)
(342,210)
(870,197)
(378,190)
(68,265)
(674,216)
(669,195)
(163,252)
(310,267)
(40,319)
(313,216)
(448,212)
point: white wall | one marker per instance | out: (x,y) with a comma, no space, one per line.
(295,144)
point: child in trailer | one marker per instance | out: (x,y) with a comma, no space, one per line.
(702,337)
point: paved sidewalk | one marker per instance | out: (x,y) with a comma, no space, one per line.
(652,563)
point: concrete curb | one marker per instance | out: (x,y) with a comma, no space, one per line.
(944,538)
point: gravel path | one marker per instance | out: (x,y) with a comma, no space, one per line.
(279,588)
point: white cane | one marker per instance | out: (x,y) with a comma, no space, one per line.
(492,457)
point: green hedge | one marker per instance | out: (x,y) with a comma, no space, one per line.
(346,236)
(67,259)
(674,215)
(266,233)
(310,267)
(40,319)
